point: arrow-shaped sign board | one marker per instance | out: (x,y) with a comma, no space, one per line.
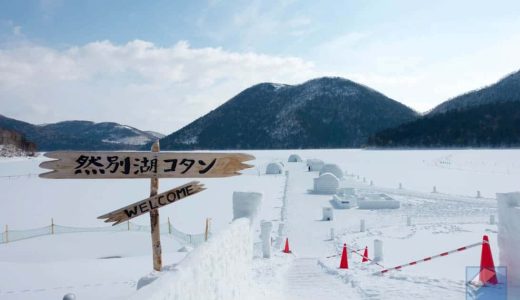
(97,165)
(141,207)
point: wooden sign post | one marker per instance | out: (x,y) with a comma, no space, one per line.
(153,165)
(154,221)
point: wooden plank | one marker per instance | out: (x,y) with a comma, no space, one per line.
(152,203)
(97,165)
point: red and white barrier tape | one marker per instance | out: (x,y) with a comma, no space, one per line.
(413,263)
(357,252)
(372,261)
(339,254)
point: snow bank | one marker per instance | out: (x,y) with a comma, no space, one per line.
(218,269)
(509,239)
(12,151)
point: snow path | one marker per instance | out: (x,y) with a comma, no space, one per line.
(307,280)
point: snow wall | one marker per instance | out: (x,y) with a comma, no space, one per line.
(218,269)
(246,205)
(509,239)
(378,204)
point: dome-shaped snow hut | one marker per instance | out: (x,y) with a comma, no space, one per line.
(294,158)
(315,164)
(274,168)
(327,183)
(332,168)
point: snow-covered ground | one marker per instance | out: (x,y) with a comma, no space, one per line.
(48,267)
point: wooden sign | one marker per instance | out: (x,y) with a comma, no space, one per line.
(153,165)
(97,165)
(141,207)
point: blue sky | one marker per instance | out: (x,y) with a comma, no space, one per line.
(109,60)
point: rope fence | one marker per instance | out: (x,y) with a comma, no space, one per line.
(9,235)
(16,176)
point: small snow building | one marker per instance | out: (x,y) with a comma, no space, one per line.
(294,158)
(315,164)
(274,168)
(327,183)
(332,168)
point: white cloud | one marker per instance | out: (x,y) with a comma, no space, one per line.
(138,83)
(420,71)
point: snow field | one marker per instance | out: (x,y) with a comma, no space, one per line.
(451,218)
(101,265)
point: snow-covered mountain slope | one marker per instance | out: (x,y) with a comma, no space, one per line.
(81,135)
(320,113)
(505,90)
(489,117)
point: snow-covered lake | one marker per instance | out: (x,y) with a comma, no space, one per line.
(106,265)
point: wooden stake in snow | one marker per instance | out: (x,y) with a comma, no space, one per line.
(52,225)
(6,233)
(154,220)
(206,231)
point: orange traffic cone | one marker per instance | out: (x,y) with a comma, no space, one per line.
(365,255)
(487,266)
(286,249)
(344,260)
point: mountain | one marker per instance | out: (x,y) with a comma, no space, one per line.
(155,134)
(320,113)
(80,135)
(489,117)
(505,90)
(487,125)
